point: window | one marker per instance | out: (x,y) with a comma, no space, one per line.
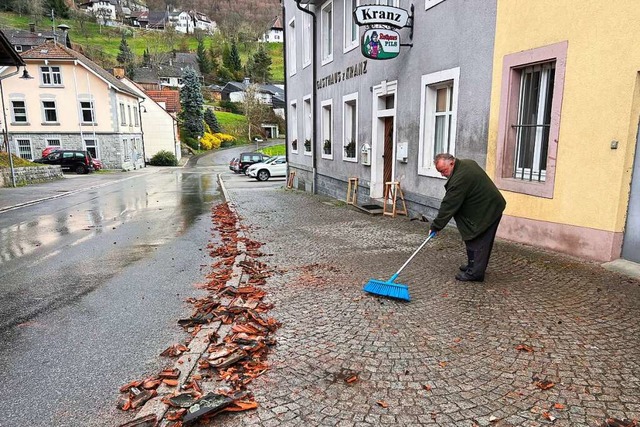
(91,145)
(350,132)
(438,113)
(19,111)
(326,17)
(307,36)
(123,118)
(292,47)
(86,110)
(307,123)
(327,126)
(129,110)
(126,147)
(53,142)
(164,80)
(350,26)
(136,117)
(18,48)
(529,122)
(428,4)
(51,76)
(24,149)
(293,120)
(49,111)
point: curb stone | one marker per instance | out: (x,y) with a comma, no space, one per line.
(187,362)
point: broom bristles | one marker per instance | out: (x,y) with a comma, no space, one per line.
(387,289)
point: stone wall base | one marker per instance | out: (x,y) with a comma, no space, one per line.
(30,175)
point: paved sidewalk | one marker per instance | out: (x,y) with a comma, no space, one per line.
(449,357)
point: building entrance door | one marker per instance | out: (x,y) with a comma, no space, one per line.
(388,150)
(631,242)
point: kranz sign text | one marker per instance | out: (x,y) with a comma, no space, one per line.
(349,72)
(380,15)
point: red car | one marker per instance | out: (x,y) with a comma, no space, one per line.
(97,164)
(48,150)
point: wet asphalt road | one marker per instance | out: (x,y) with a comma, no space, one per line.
(92,286)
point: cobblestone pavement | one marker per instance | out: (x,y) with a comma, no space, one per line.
(448,357)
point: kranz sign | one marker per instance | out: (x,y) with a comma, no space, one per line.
(380,42)
(381,15)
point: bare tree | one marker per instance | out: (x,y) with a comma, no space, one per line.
(255,111)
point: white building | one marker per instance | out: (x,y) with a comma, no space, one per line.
(275,33)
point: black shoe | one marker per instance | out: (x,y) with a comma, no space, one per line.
(464,267)
(466,277)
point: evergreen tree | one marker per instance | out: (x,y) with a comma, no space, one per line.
(226,56)
(191,100)
(259,66)
(59,7)
(203,59)
(146,57)
(125,56)
(211,120)
(234,58)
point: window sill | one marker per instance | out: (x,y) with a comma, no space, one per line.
(327,156)
(349,48)
(307,153)
(327,60)
(431,173)
(89,124)
(536,189)
(50,124)
(350,159)
(52,86)
(20,124)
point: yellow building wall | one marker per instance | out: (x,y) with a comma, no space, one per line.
(600,104)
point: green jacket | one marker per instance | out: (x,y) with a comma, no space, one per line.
(471,198)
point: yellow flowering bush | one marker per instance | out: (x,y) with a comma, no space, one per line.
(211,141)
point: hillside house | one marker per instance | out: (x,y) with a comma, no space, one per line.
(73,103)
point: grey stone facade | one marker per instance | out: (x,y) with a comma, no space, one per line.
(452,42)
(110,147)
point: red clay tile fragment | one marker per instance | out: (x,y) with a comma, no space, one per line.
(382,403)
(544,385)
(351,379)
(524,347)
(614,422)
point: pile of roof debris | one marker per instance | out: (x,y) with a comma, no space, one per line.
(219,381)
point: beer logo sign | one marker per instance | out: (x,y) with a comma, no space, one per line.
(380,43)
(378,14)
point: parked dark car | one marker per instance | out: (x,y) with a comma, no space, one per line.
(74,160)
(247,159)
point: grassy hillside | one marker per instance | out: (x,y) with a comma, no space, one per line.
(102,43)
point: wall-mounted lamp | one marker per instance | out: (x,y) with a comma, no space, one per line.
(26,75)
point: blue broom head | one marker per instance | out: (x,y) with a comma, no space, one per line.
(387,289)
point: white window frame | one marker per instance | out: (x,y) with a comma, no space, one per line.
(50,77)
(126,148)
(428,4)
(95,146)
(393,3)
(292,47)
(123,117)
(326,127)
(28,140)
(44,111)
(49,142)
(14,115)
(307,123)
(136,116)
(326,33)
(293,120)
(349,24)
(91,109)
(429,84)
(307,36)
(18,48)
(348,122)
(129,115)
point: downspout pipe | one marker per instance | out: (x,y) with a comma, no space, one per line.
(286,92)
(313,96)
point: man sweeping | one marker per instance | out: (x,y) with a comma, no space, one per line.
(476,204)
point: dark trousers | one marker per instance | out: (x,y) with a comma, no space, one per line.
(479,250)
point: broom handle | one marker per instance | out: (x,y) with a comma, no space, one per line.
(432,234)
